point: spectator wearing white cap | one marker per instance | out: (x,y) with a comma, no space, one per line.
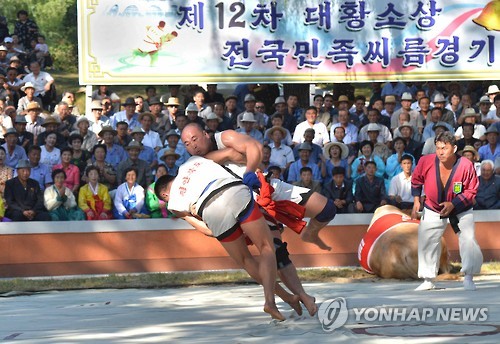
(415,118)
(304,161)
(435,117)
(289,121)
(384,136)
(470,116)
(448,116)
(22,105)
(491,150)
(493,91)
(43,83)
(248,127)
(4,60)
(249,104)
(484,109)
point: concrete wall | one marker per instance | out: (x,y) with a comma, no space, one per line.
(160,245)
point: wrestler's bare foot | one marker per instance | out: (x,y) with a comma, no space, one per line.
(294,302)
(312,236)
(310,303)
(273,311)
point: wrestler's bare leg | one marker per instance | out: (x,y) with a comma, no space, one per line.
(314,205)
(263,270)
(291,280)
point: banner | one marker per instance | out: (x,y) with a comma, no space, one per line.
(307,41)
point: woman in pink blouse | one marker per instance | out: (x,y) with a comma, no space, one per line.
(72,181)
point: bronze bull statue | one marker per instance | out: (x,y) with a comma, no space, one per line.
(389,248)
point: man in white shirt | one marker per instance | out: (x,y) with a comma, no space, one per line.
(281,155)
(43,83)
(400,188)
(321,136)
(151,137)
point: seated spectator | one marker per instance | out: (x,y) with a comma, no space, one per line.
(102,92)
(34,120)
(43,83)
(22,105)
(24,138)
(151,138)
(248,127)
(339,189)
(370,190)
(316,151)
(366,154)
(5,120)
(65,119)
(471,154)
(491,150)
(2,211)
(321,136)
(430,144)
(50,124)
(380,149)
(351,131)
(81,158)
(14,152)
(107,173)
(157,207)
(306,180)
(170,158)
(212,123)
(274,172)
(334,155)
(147,153)
(435,117)
(71,172)
(128,115)
(60,200)
(413,147)
(24,196)
(142,170)
(172,143)
(122,137)
(94,198)
(51,155)
(265,162)
(39,172)
(89,137)
(281,155)
(114,153)
(96,119)
(468,138)
(470,116)
(277,121)
(488,193)
(384,134)
(6,172)
(129,197)
(393,166)
(296,167)
(400,188)
(192,114)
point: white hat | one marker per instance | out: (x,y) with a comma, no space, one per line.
(248,117)
(484,99)
(439,98)
(249,98)
(211,116)
(279,100)
(406,96)
(373,127)
(492,89)
(2,47)
(8,40)
(27,85)
(344,151)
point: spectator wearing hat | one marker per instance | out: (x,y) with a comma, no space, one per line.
(484,109)
(89,137)
(334,155)
(430,145)
(22,105)
(147,153)
(172,142)
(351,131)
(491,150)
(15,63)
(151,138)
(434,117)
(468,138)
(339,189)
(400,185)
(492,92)
(161,123)
(470,153)
(317,150)
(307,180)
(289,121)
(373,117)
(34,120)
(65,119)
(249,105)
(369,190)
(6,172)
(389,107)
(488,192)
(169,159)
(103,92)
(43,83)
(5,121)
(248,127)
(4,60)
(14,152)
(416,120)
(240,92)
(277,121)
(192,115)
(380,149)
(80,158)
(393,163)
(304,161)
(96,119)
(366,154)
(170,114)
(344,103)
(144,176)
(321,136)
(128,115)
(39,171)
(470,116)
(212,123)
(114,152)
(122,137)
(50,124)
(24,196)
(439,101)
(281,155)
(494,115)
(406,131)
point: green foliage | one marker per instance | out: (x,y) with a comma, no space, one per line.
(56,20)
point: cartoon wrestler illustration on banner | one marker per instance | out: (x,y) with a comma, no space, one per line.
(153,41)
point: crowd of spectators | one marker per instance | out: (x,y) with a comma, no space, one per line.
(60,163)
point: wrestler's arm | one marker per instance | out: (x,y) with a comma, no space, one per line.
(222,156)
(244,144)
(199,225)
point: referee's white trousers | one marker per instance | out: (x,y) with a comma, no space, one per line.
(431,230)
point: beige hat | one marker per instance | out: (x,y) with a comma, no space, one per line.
(212,116)
(405,124)
(106,129)
(273,129)
(390,99)
(134,145)
(248,117)
(472,150)
(146,114)
(493,89)
(27,85)
(96,105)
(170,152)
(49,120)
(343,99)
(470,112)
(344,151)
(249,98)
(173,101)
(33,106)
(137,130)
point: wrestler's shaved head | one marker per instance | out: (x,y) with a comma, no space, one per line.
(196,140)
